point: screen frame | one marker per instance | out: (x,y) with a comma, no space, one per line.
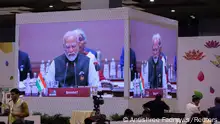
(124,13)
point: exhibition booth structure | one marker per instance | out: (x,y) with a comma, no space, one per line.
(127,43)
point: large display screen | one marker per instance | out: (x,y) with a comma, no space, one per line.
(153,53)
(71,55)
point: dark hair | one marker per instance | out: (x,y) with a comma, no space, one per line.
(15,90)
(145,112)
(204,114)
(128,112)
(195,98)
(194,119)
(217,100)
(158,97)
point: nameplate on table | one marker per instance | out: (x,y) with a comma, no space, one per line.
(69,92)
(151,93)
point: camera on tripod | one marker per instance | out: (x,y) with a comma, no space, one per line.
(98,118)
(98,100)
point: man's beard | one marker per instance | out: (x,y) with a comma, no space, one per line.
(71,57)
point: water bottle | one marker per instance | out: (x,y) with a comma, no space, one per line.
(99,57)
(34,87)
(131,72)
(135,86)
(142,67)
(113,69)
(138,85)
(171,73)
(42,68)
(28,87)
(106,69)
(47,66)
(119,72)
(42,64)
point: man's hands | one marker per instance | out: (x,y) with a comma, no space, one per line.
(15,114)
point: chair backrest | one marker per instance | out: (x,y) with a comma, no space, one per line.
(2,122)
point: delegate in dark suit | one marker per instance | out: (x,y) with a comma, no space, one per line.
(214,112)
(132,61)
(24,65)
(156,107)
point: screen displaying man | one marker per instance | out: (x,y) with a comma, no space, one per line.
(156,69)
(72,68)
(157,41)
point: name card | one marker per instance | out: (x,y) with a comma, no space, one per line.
(151,93)
(69,92)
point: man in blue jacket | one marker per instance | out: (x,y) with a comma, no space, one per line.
(24,65)
(132,62)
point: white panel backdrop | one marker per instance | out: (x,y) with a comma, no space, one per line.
(188,71)
(8,65)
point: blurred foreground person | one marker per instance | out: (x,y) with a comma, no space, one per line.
(156,107)
(18,108)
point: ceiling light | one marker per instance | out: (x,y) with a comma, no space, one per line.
(151,0)
(193,17)
(51,6)
(172,10)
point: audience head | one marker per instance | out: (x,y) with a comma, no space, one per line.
(82,39)
(15,93)
(145,114)
(204,114)
(217,101)
(128,113)
(71,45)
(158,97)
(194,119)
(156,39)
(196,100)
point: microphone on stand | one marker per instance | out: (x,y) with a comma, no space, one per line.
(76,83)
(67,64)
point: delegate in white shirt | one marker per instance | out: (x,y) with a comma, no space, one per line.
(191,109)
(93,78)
